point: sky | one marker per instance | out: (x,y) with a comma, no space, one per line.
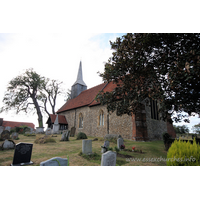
(56,56)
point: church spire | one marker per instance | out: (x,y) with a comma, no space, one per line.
(80,76)
(79,85)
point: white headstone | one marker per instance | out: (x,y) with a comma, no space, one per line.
(108,159)
(120,142)
(56,161)
(87,146)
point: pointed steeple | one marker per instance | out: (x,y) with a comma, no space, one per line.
(80,76)
(79,85)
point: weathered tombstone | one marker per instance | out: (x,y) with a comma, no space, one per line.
(48,131)
(105,147)
(39,129)
(8,128)
(120,142)
(65,136)
(1,129)
(31,129)
(22,155)
(87,147)
(14,135)
(106,144)
(5,135)
(57,161)
(108,159)
(8,144)
(72,132)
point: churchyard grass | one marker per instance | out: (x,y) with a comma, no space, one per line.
(73,147)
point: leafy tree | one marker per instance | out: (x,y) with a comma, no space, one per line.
(21,90)
(68,95)
(164,67)
(181,129)
(50,90)
(196,128)
(30,91)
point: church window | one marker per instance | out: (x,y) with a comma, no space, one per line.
(101,118)
(154,109)
(80,120)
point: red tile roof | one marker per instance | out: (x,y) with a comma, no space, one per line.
(17,124)
(87,97)
(61,119)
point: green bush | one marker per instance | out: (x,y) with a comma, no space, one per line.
(81,135)
(183,154)
(117,149)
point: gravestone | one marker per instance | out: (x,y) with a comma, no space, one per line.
(65,136)
(72,132)
(22,155)
(48,131)
(39,130)
(120,142)
(8,144)
(105,147)
(5,135)
(57,161)
(8,128)
(87,147)
(14,135)
(108,159)
(1,129)
(106,144)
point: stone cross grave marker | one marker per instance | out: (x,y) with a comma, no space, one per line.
(22,155)
(56,161)
(108,159)
(120,142)
(87,147)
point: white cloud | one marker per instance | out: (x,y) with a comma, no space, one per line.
(56,56)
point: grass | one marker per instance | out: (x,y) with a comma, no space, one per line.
(73,147)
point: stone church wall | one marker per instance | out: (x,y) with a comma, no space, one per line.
(155,128)
(122,125)
(117,125)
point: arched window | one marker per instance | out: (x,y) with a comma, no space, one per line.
(101,118)
(80,120)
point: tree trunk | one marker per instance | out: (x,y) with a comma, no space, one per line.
(39,113)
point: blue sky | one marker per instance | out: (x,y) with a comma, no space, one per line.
(105,38)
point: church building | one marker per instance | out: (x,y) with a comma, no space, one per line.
(84,114)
